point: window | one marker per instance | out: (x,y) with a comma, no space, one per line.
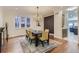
(17,22)
(28,22)
(22,22)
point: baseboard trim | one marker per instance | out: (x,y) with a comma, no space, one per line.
(55,37)
(51,34)
(16,36)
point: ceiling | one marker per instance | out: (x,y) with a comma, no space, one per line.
(32,10)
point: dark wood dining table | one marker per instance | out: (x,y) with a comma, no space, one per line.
(37,34)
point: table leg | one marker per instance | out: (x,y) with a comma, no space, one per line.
(36,41)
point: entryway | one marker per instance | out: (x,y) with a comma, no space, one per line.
(72,24)
(70,29)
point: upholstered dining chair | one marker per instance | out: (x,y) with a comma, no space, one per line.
(27,34)
(45,37)
(31,37)
(46,30)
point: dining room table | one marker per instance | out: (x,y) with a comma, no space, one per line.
(37,34)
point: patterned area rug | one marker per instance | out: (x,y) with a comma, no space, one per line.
(30,48)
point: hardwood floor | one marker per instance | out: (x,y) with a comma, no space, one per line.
(69,46)
(60,48)
(13,46)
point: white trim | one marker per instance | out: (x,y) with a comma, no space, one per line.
(51,34)
(58,37)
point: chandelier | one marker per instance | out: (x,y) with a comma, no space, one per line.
(37,13)
(38,17)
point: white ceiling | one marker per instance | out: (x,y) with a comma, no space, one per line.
(43,10)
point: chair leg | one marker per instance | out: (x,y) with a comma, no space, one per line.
(26,36)
(42,43)
(30,41)
(48,42)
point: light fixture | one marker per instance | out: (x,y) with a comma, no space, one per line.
(37,12)
(38,17)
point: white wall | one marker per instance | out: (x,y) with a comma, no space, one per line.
(1,18)
(58,24)
(1,21)
(10,19)
(65,20)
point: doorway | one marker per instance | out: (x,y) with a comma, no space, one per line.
(72,24)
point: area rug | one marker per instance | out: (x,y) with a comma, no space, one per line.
(30,48)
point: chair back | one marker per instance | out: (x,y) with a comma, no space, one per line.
(46,30)
(30,33)
(45,35)
(27,33)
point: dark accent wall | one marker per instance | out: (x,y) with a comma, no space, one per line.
(49,23)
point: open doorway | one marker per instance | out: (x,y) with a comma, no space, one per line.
(72,20)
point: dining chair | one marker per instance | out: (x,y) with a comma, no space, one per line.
(27,34)
(44,38)
(31,37)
